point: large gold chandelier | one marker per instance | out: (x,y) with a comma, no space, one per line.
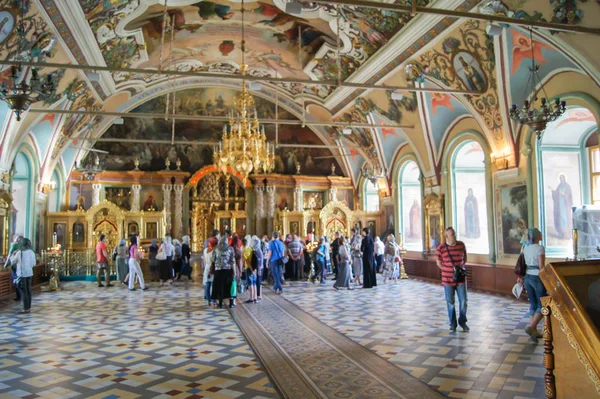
(244,147)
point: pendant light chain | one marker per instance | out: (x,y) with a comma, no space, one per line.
(162,36)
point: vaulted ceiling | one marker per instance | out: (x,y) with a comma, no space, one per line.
(479,76)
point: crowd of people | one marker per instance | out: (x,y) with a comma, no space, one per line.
(168,262)
(232,265)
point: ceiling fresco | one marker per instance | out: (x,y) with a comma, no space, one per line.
(207,37)
(546,56)
(466,61)
(374,47)
(212,102)
(389,139)
(442,111)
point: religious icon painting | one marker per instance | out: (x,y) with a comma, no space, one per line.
(59,230)
(294,227)
(7,24)
(468,69)
(151,230)
(78,233)
(372,225)
(133,229)
(313,199)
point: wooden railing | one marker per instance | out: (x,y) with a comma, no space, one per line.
(571,330)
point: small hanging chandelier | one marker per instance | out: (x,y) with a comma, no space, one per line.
(24,86)
(372,173)
(89,170)
(244,147)
(536,118)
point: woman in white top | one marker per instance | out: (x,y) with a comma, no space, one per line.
(535,259)
(379,250)
(24,259)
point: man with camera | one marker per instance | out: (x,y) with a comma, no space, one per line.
(451,259)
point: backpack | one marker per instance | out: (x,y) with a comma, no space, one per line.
(313,254)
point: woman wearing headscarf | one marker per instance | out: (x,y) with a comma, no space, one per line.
(223,260)
(176,258)
(391,264)
(535,259)
(24,261)
(134,265)
(186,269)
(166,266)
(122,266)
(260,258)
(152,251)
(357,258)
(209,272)
(344,274)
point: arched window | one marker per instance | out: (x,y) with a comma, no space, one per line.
(469,197)
(568,166)
(23,196)
(410,206)
(371,197)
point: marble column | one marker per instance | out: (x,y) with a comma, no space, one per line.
(178,222)
(270,208)
(135,198)
(259,203)
(332,194)
(297,199)
(167,188)
(96,194)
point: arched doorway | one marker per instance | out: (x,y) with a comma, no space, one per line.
(218,202)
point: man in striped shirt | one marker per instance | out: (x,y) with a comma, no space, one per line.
(452,255)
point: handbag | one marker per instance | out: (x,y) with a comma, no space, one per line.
(233,292)
(160,255)
(521,266)
(460,274)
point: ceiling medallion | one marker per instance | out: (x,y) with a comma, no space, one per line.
(537,118)
(24,86)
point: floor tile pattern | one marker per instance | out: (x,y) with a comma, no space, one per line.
(112,343)
(334,365)
(406,323)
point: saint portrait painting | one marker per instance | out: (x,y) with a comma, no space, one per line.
(472,228)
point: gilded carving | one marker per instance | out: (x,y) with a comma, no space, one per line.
(580,355)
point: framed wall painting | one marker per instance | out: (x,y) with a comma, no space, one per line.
(434,221)
(511,217)
(151,230)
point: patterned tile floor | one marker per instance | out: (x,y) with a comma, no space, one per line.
(112,343)
(406,323)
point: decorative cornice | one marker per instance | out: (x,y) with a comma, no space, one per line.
(63,27)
